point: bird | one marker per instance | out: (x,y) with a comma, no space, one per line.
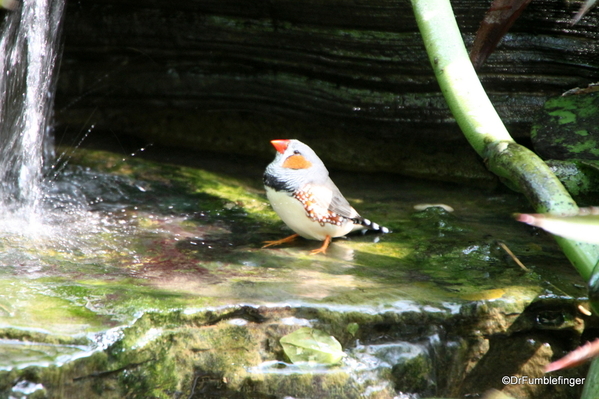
(300,191)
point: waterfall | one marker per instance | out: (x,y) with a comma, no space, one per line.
(29,54)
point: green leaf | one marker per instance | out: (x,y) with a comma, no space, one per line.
(308,345)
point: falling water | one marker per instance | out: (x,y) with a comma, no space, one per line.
(29,51)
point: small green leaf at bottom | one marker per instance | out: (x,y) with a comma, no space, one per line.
(308,345)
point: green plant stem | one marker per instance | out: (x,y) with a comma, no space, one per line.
(591,384)
(517,166)
(459,83)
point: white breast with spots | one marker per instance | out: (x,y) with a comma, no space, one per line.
(292,212)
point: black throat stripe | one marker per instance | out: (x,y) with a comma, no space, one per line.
(276,184)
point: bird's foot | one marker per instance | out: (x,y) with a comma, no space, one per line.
(323,248)
(281,241)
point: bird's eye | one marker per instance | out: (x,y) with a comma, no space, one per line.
(296,152)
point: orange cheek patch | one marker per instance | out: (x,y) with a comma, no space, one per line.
(296,162)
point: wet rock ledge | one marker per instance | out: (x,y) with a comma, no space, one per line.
(351,78)
(161,290)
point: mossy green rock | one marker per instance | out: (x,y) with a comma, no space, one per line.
(568,128)
(566,134)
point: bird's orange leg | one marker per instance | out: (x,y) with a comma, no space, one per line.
(323,249)
(281,241)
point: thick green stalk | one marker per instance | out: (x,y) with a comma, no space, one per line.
(459,83)
(517,166)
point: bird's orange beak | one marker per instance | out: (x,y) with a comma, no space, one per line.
(280,145)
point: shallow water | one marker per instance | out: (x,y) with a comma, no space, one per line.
(171,232)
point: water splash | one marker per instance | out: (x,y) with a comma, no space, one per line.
(42,207)
(29,50)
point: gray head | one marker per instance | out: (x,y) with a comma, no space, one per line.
(295,165)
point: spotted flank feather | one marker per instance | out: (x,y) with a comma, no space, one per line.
(317,213)
(337,213)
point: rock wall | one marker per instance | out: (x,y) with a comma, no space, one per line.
(350,78)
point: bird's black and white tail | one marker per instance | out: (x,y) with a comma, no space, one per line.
(368,225)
